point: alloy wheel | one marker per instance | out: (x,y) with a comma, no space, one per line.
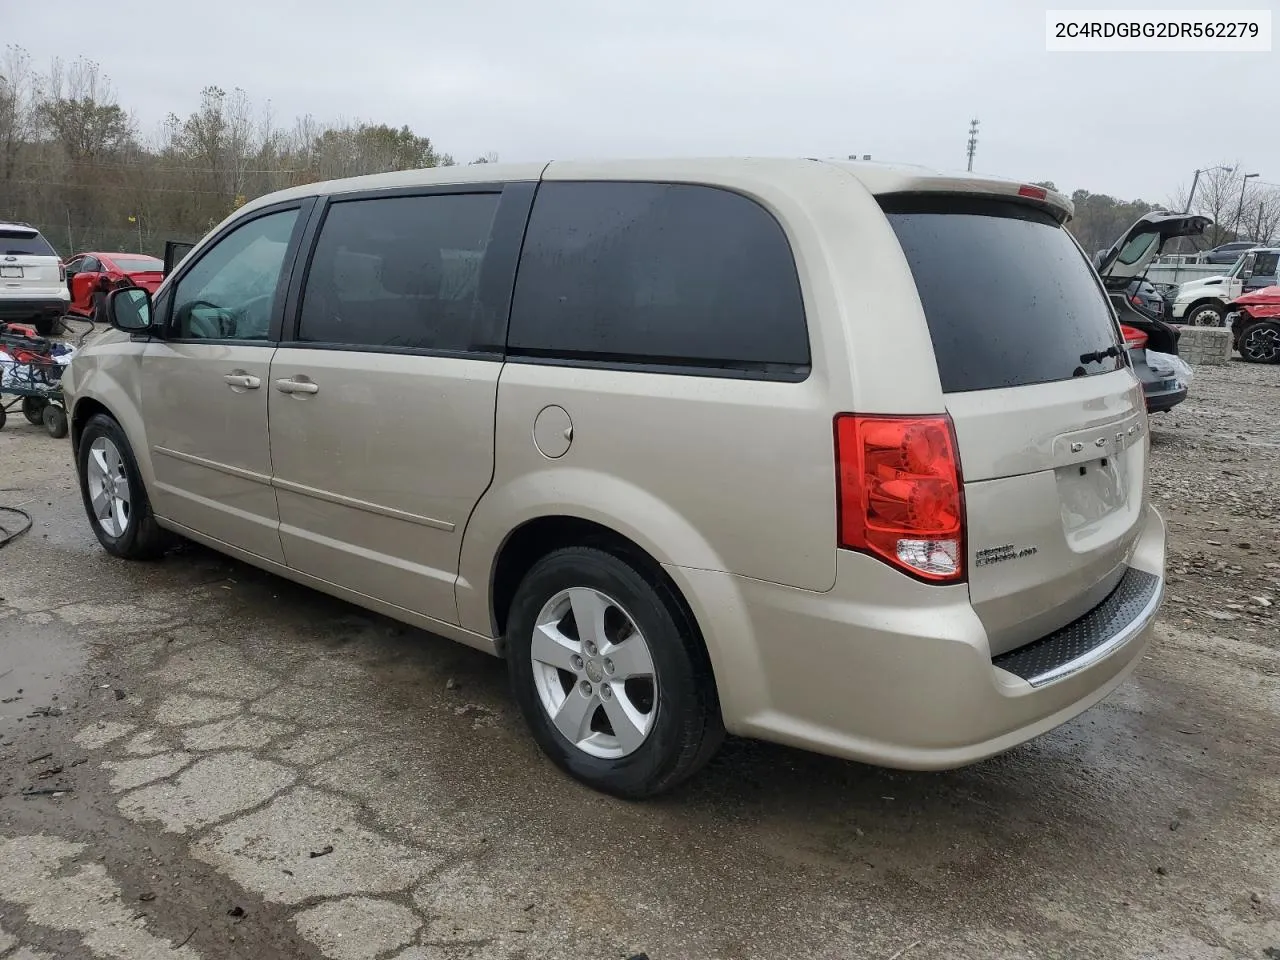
(594,673)
(1261,344)
(108,487)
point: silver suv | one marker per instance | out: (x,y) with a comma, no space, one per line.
(838,455)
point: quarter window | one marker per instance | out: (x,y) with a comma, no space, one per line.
(400,273)
(230,292)
(658,274)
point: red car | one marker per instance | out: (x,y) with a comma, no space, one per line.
(1255,325)
(91,275)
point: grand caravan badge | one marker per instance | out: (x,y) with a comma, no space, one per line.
(1008,551)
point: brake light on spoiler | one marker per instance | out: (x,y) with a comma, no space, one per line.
(899,494)
(1034,192)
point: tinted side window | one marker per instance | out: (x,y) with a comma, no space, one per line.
(1008,296)
(229,293)
(90,265)
(399,272)
(1265,265)
(658,273)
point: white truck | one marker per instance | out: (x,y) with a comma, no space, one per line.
(1203,303)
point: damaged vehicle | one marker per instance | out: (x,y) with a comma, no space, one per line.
(1151,343)
(1254,320)
(1203,302)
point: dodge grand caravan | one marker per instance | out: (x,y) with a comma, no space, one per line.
(838,455)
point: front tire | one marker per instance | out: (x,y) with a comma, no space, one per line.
(626,702)
(1206,315)
(114,497)
(1260,343)
(54,419)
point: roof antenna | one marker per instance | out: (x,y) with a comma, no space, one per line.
(973,141)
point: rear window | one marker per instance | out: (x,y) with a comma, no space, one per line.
(658,275)
(1008,296)
(24,243)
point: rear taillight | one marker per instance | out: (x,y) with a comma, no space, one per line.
(1134,339)
(62,273)
(899,495)
(1136,300)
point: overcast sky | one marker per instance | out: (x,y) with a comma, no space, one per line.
(601,78)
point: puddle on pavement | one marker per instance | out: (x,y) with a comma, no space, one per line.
(34,659)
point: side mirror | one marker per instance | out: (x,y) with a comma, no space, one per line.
(129,309)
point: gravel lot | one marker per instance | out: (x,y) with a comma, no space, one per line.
(245,768)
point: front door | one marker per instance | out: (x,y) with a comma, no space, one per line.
(83,282)
(205,385)
(382,406)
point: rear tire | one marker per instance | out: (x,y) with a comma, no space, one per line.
(632,738)
(4,415)
(33,409)
(1260,342)
(109,473)
(1206,315)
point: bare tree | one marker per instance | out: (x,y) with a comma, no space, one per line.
(17,108)
(1237,207)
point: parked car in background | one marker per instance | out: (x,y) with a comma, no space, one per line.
(91,275)
(1145,297)
(1203,302)
(1141,308)
(1254,319)
(1227,252)
(399,389)
(32,281)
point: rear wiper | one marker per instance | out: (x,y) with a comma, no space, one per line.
(1099,355)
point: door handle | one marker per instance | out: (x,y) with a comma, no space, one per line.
(297,386)
(242,380)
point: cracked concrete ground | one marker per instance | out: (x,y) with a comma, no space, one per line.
(234,766)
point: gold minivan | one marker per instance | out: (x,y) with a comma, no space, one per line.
(839,455)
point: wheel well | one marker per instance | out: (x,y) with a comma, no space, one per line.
(1205,302)
(528,544)
(83,412)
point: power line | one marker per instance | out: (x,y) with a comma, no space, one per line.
(96,165)
(120,189)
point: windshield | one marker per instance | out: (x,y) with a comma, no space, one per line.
(138,264)
(1009,298)
(22,243)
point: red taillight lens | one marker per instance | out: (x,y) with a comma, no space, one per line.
(1037,193)
(899,493)
(1134,339)
(1136,300)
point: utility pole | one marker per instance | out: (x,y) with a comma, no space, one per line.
(1244,185)
(1257,230)
(1196,179)
(973,141)
(1192,195)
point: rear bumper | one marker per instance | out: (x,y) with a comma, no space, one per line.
(30,308)
(889,671)
(1159,401)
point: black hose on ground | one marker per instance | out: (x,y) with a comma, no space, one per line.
(8,536)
